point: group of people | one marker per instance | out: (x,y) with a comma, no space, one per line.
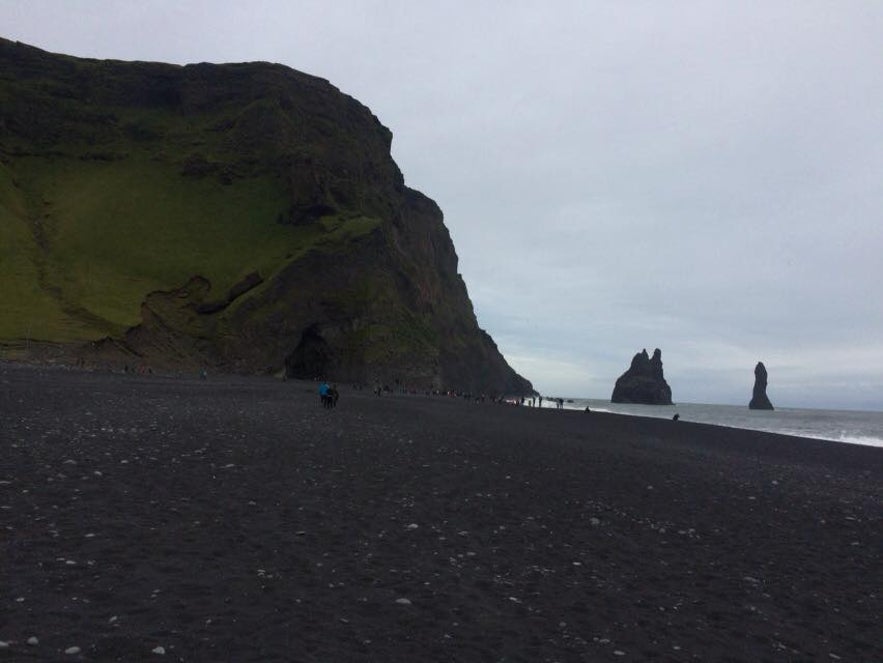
(328,395)
(538,401)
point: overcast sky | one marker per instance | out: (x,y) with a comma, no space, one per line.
(702,177)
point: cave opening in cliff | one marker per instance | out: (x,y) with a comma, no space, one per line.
(311,358)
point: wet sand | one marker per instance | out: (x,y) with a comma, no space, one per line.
(234,519)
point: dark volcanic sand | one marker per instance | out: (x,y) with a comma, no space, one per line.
(235,520)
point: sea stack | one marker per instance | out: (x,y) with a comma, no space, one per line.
(644,382)
(759,399)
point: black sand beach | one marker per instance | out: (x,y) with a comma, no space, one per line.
(233,519)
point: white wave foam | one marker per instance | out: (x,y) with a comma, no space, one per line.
(861,439)
(865,440)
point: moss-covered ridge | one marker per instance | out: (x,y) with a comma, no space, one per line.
(246,216)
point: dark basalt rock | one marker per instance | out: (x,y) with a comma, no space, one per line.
(644,382)
(759,399)
(364,288)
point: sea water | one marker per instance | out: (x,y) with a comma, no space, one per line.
(838,425)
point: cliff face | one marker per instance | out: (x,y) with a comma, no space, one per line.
(759,399)
(643,382)
(245,216)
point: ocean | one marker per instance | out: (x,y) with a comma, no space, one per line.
(850,426)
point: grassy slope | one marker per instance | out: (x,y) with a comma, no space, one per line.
(118,230)
(26,309)
(84,240)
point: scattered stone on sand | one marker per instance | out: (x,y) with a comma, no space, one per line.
(159,650)
(72,651)
(508,503)
(33,641)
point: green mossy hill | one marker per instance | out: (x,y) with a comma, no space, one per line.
(246,217)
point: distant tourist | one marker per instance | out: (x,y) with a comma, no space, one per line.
(328,395)
(323,394)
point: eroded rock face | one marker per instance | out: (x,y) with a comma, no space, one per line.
(759,399)
(364,284)
(643,382)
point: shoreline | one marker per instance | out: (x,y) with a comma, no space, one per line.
(234,518)
(605,406)
(861,427)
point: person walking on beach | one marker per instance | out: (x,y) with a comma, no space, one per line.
(323,394)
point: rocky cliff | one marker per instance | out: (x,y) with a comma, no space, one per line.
(242,216)
(759,399)
(643,382)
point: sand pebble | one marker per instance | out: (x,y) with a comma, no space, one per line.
(403,601)
(4,644)
(71,651)
(412,526)
(618,652)
(33,641)
(159,650)
(594,521)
